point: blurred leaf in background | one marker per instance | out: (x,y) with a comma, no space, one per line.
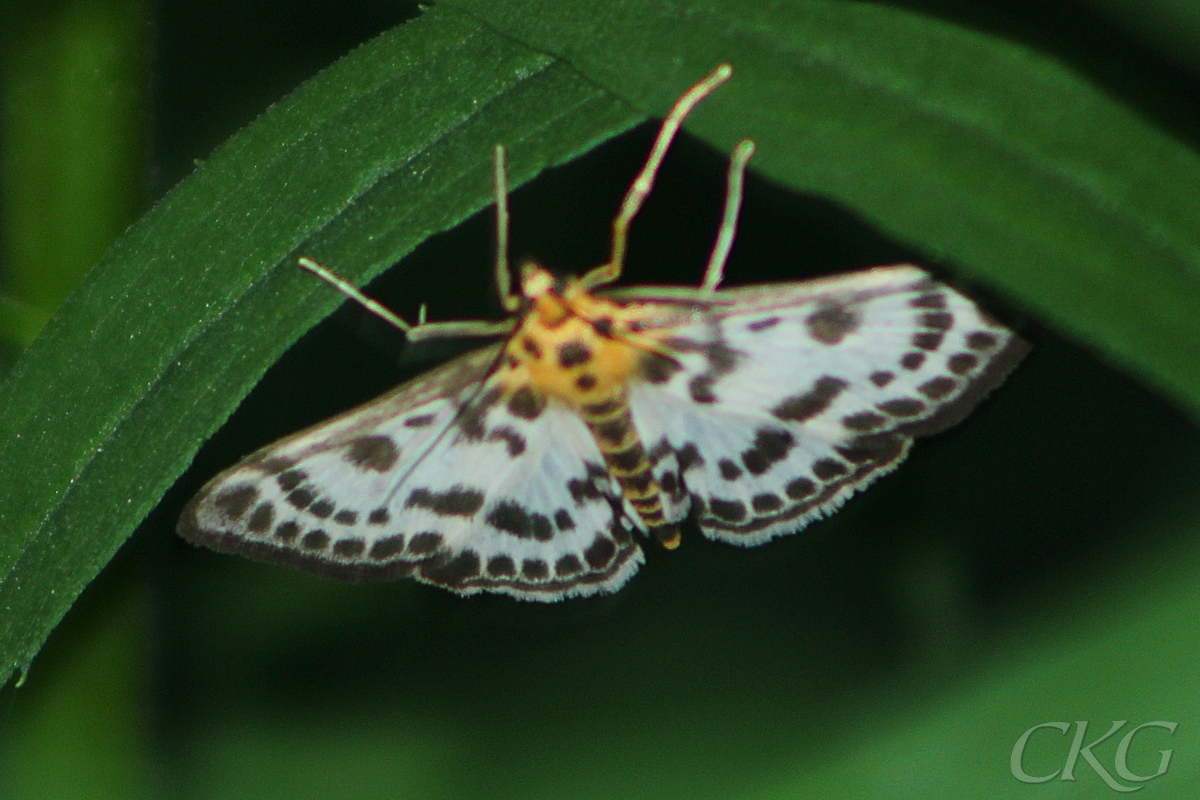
(1036,564)
(74,78)
(73,85)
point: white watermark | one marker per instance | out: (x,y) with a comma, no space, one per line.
(1120,763)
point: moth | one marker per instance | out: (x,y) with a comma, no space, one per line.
(537,466)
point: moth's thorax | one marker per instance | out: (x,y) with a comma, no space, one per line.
(568,345)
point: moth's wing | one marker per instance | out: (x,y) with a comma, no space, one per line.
(437,480)
(783,400)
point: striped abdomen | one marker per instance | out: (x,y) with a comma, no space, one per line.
(625,456)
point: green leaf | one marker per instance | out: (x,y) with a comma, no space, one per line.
(973,149)
(106,408)
(968,147)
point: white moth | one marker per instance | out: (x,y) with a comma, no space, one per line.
(533,467)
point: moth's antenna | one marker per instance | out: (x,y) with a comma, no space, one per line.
(714,273)
(464,408)
(640,188)
(351,291)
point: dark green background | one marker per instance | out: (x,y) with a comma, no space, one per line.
(1036,564)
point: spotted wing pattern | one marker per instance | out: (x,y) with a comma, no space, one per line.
(778,402)
(759,410)
(436,480)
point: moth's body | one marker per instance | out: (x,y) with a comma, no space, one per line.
(530,467)
(582,350)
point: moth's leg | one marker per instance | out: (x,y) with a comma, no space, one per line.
(414,333)
(714,273)
(640,188)
(509,300)
(463,329)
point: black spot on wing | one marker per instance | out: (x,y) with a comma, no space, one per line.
(262,519)
(962,363)
(424,543)
(513,440)
(378,453)
(937,320)
(349,548)
(457,501)
(720,356)
(763,324)
(701,389)
(291,479)
(301,498)
(937,388)
(453,572)
(315,540)
(829,468)
(526,403)
(387,547)
(689,457)
(728,510)
(766,503)
(472,417)
(832,323)
(660,450)
(600,552)
(235,501)
(864,421)
(930,300)
(276,464)
(902,407)
(513,518)
(535,569)
(803,407)
(583,490)
(729,470)
(770,446)
(877,449)
(287,532)
(800,488)
(501,567)
(927,340)
(567,565)
(981,340)
(882,378)
(657,368)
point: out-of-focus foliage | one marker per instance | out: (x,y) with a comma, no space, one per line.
(1035,565)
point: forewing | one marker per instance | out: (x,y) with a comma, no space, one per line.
(439,480)
(783,400)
